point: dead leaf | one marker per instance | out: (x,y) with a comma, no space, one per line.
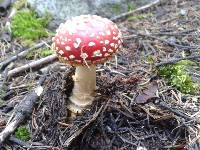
(147,94)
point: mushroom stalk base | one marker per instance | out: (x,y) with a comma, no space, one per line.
(84,88)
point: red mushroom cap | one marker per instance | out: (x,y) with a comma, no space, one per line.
(87,39)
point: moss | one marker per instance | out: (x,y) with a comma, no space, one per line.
(22,133)
(46,52)
(28,26)
(187,63)
(27,43)
(178,77)
(116,8)
(140,17)
(2,102)
(43,52)
(131,6)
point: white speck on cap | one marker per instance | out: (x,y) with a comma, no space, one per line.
(115,38)
(91,44)
(104,49)
(78,40)
(71,56)
(76,45)
(67,48)
(97,53)
(84,55)
(110,51)
(107,42)
(61,52)
(106,54)
(112,44)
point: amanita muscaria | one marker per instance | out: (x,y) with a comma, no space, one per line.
(85,41)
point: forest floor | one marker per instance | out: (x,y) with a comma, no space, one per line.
(147,98)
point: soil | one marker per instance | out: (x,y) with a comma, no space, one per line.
(134,107)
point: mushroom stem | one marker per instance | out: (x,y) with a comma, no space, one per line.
(84,88)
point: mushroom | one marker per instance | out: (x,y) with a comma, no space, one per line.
(85,41)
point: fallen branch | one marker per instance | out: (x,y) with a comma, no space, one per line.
(173,61)
(143,8)
(20,55)
(35,64)
(22,111)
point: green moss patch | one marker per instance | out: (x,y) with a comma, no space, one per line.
(22,133)
(178,76)
(116,8)
(28,26)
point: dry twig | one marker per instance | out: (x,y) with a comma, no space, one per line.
(143,8)
(173,61)
(34,64)
(20,55)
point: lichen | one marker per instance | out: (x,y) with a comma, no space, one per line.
(26,25)
(178,76)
